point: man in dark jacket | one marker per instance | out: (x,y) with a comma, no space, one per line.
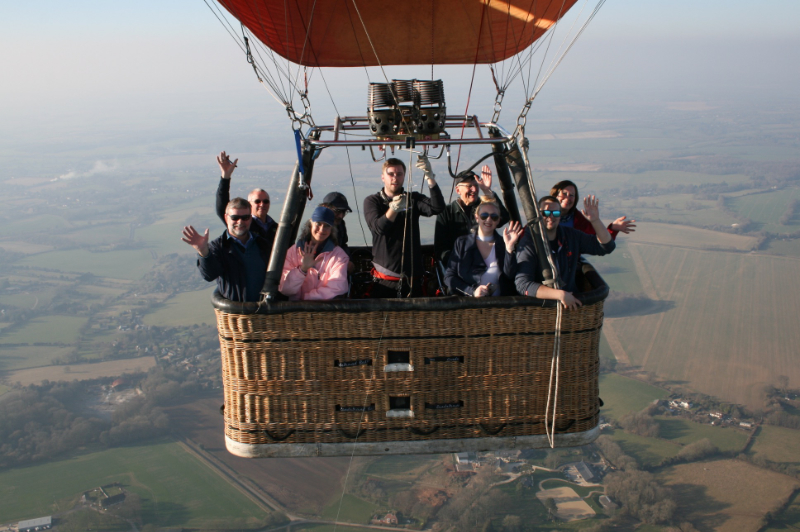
(237,259)
(263,225)
(459,216)
(393,219)
(566,247)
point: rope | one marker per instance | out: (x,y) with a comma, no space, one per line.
(355,195)
(358,430)
(554,368)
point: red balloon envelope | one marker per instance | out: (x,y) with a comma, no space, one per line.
(347,33)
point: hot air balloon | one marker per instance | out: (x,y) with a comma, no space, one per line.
(405,376)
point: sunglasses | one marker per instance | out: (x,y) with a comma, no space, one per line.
(551,213)
(493,216)
(260,201)
(242,217)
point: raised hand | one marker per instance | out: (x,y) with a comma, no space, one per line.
(196,240)
(424,164)
(511,235)
(308,254)
(485,180)
(623,225)
(591,208)
(225,165)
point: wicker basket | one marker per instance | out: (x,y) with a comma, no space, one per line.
(406,376)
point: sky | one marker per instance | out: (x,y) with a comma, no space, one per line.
(100,68)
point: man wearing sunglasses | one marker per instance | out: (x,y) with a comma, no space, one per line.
(237,259)
(458,218)
(566,247)
(263,225)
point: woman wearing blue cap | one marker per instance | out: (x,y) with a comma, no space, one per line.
(315,267)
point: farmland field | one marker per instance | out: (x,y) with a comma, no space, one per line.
(45,329)
(684,431)
(401,467)
(301,484)
(188,308)
(767,209)
(81,372)
(719,335)
(30,356)
(647,451)
(777,444)
(726,495)
(622,395)
(120,264)
(176,489)
(353,509)
(688,237)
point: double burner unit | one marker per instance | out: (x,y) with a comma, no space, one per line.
(407,107)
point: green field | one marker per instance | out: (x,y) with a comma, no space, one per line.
(724,309)
(4,389)
(766,209)
(789,519)
(46,329)
(353,509)
(683,431)
(618,270)
(175,489)
(648,452)
(188,308)
(622,395)
(30,356)
(777,444)
(120,264)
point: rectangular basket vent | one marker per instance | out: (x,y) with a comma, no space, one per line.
(398,361)
(400,407)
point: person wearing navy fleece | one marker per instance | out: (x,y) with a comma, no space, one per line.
(238,259)
(566,246)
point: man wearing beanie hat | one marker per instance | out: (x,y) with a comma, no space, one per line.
(458,218)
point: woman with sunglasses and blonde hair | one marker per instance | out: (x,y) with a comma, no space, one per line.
(484,263)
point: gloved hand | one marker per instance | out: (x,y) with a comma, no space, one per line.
(424,164)
(398,203)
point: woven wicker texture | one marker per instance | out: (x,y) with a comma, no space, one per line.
(315,377)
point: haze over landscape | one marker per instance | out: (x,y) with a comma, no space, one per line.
(683,115)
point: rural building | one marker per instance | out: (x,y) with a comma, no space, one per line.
(607,503)
(717,415)
(31,525)
(746,425)
(585,471)
(388,519)
(464,458)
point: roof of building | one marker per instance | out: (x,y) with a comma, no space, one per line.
(584,470)
(39,521)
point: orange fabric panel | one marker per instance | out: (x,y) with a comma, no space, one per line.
(405,32)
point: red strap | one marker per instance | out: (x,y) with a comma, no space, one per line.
(379,275)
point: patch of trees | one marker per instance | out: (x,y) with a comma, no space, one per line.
(639,423)
(614,454)
(641,496)
(42,422)
(791,211)
(781,418)
(693,452)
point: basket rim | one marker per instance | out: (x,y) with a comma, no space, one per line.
(599,293)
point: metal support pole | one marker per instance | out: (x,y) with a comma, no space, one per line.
(289,223)
(520,169)
(504,176)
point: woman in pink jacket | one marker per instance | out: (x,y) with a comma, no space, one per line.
(316,267)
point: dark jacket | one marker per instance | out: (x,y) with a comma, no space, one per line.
(466,265)
(387,236)
(223,264)
(341,236)
(456,221)
(266,231)
(570,245)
